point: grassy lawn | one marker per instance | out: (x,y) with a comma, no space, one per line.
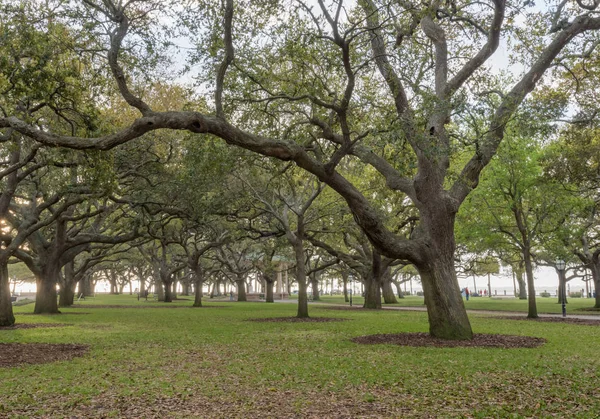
(212,362)
(544,305)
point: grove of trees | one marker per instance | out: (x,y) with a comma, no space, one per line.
(205,142)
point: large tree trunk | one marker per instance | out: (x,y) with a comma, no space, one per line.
(445,307)
(86,286)
(185,288)
(67,286)
(314,283)
(241,289)
(373,282)
(198,293)
(158,289)
(301,278)
(45,297)
(174,290)
(168,297)
(269,298)
(372,292)
(398,286)
(386,289)
(595,268)
(7,317)
(531,306)
(562,287)
(114,287)
(345,285)
(522,284)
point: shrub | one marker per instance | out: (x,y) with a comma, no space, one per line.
(545,294)
(575,295)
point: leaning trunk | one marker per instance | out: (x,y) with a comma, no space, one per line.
(522,285)
(67,286)
(445,307)
(399,289)
(7,317)
(314,283)
(345,285)
(531,307)
(386,290)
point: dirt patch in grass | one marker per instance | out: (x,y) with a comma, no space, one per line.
(569,320)
(13,354)
(298,320)
(33,325)
(478,341)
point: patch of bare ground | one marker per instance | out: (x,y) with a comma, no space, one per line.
(569,320)
(33,325)
(14,354)
(478,341)
(297,320)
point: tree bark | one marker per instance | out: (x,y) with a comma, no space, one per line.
(345,285)
(595,268)
(373,282)
(301,278)
(241,289)
(269,298)
(45,299)
(386,289)
(67,286)
(314,283)
(158,289)
(85,286)
(531,306)
(522,285)
(372,292)
(399,289)
(198,293)
(7,317)
(185,288)
(168,296)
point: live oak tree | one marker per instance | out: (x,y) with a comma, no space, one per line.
(380,82)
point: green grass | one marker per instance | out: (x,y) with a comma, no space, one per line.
(544,305)
(211,362)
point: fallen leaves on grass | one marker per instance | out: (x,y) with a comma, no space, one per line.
(298,320)
(479,340)
(13,354)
